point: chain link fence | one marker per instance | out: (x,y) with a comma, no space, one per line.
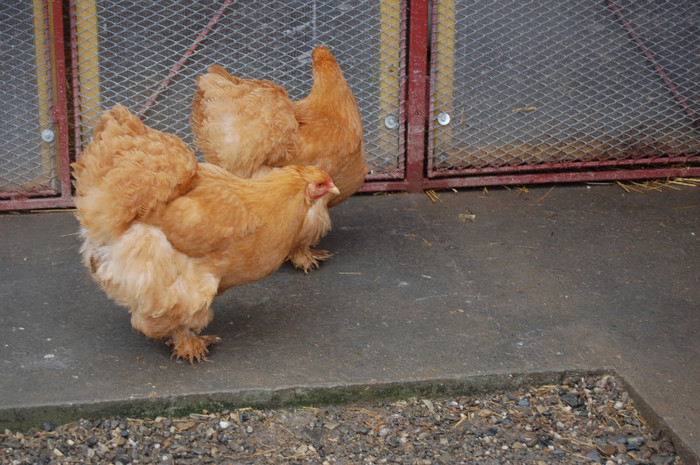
(562,82)
(28,152)
(146,56)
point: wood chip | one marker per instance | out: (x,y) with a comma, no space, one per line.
(468,216)
(546,194)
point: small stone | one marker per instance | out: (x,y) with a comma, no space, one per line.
(444,458)
(658,459)
(301,450)
(573,400)
(530,439)
(618,439)
(47,426)
(602,383)
(524,403)
(593,455)
(607,449)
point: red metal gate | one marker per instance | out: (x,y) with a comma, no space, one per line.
(547,92)
(452,93)
(34,171)
(562,90)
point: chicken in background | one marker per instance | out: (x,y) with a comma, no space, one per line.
(163,234)
(249,127)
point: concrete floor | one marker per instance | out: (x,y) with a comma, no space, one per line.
(416,298)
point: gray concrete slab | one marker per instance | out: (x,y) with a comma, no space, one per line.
(582,279)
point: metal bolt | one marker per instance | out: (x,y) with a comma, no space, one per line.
(443,119)
(47,135)
(391,122)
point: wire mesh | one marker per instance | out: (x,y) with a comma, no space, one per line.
(563,81)
(146,56)
(27,162)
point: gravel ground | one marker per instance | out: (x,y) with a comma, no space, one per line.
(583,420)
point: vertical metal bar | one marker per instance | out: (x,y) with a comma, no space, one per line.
(417,99)
(75,83)
(60,110)
(442,51)
(87,56)
(314,27)
(42,61)
(392,19)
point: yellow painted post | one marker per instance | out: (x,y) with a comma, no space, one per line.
(444,74)
(390,68)
(43,83)
(87,41)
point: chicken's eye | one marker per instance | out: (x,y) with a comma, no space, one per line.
(319,185)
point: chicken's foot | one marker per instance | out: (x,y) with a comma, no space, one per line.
(307,258)
(188,345)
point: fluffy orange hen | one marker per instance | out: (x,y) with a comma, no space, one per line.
(163,234)
(251,126)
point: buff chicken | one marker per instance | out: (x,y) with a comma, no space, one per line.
(163,234)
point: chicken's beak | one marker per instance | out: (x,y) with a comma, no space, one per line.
(334,190)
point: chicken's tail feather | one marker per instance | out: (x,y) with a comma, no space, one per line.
(126,171)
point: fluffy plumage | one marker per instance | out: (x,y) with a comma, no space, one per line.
(163,234)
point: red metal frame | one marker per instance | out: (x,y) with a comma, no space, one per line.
(51,198)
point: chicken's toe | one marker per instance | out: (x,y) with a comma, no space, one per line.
(308,259)
(190,346)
